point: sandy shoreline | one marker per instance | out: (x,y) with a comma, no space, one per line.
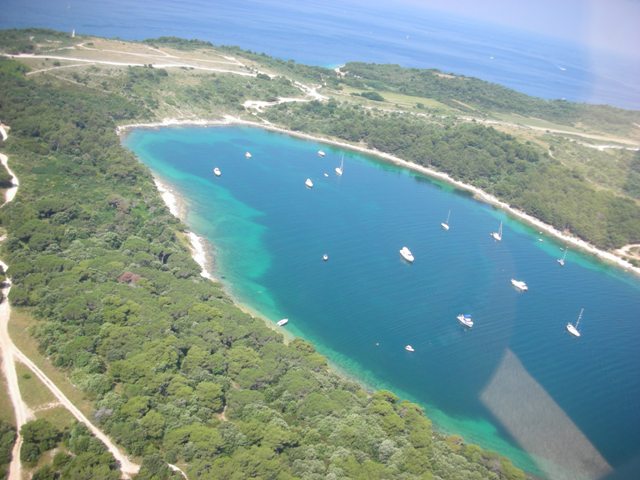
(607,257)
(199,252)
(178,209)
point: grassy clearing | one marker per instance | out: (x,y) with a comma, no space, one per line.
(59,416)
(127,52)
(398,100)
(33,391)
(19,328)
(410,101)
(533,122)
(610,169)
(6,409)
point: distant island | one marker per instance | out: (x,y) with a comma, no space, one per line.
(159,357)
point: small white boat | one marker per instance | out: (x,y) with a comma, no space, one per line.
(406,254)
(325,257)
(561,260)
(465,320)
(321,153)
(497,236)
(308,183)
(340,169)
(409,348)
(326,174)
(519,284)
(283,322)
(445,224)
(573,329)
(247,155)
(217,172)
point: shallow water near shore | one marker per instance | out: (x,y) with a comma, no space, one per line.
(516,382)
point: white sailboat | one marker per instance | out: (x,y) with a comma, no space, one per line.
(465,319)
(406,254)
(217,172)
(445,224)
(561,260)
(573,329)
(519,284)
(497,236)
(308,183)
(409,348)
(283,322)
(321,153)
(340,169)
(247,155)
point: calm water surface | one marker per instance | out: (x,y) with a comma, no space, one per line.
(516,382)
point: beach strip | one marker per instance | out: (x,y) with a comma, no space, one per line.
(178,209)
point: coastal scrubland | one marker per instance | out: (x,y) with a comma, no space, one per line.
(176,372)
(488,97)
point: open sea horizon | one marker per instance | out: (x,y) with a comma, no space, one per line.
(517,382)
(331,33)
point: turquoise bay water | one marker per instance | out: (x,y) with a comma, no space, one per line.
(516,382)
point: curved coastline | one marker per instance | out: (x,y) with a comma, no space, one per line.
(602,255)
(179,209)
(522,458)
(197,243)
(203,256)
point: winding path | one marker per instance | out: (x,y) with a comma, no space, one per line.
(10,353)
(310,92)
(22,413)
(130,64)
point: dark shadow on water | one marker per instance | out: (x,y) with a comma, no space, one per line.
(539,425)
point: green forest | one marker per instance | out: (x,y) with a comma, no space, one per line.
(7,438)
(176,371)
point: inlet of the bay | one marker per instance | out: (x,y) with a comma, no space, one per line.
(516,382)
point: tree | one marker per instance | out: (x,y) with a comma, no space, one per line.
(154,467)
(38,437)
(7,439)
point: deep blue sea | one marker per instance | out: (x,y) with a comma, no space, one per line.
(333,32)
(517,382)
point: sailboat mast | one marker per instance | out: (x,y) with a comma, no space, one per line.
(448,215)
(579,317)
